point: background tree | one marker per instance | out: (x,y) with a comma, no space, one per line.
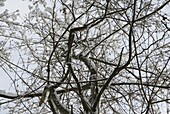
(101,56)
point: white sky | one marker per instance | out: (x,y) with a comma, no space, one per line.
(11,5)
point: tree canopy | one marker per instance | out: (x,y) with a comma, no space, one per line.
(87,57)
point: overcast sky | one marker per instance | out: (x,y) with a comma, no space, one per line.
(11,5)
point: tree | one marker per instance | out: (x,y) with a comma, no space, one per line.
(101,56)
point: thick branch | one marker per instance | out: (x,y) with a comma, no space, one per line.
(32,95)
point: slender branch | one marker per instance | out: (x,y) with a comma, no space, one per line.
(56,45)
(118,68)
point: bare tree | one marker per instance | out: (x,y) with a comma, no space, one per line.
(88,57)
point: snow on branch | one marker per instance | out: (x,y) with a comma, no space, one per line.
(10,95)
(90,65)
(55,102)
